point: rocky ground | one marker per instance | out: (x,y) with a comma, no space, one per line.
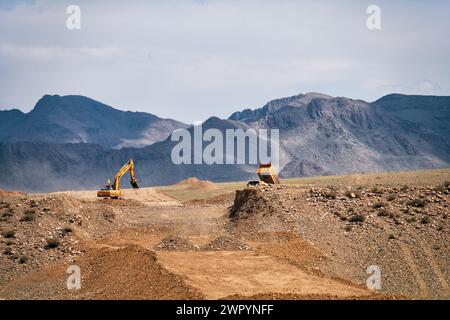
(42,230)
(274,242)
(403,230)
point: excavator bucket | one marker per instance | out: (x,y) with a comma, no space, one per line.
(267,174)
(134,184)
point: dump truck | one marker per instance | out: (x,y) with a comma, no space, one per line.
(266,174)
(113,190)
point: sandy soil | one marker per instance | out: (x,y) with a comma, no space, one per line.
(146,196)
(221,274)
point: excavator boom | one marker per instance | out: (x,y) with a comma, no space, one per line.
(129,166)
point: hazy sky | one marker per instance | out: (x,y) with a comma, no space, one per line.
(192,59)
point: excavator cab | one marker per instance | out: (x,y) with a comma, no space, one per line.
(108,185)
(112,190)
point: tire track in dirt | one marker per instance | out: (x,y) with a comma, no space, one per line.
(423,288)
(434,266)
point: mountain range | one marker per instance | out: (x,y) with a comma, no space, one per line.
(74,142)
(78,119)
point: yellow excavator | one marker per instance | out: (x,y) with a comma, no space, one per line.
(266,174)
(112,190)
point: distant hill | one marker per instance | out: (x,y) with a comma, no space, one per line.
(78,119)
(333,135)
(319,135)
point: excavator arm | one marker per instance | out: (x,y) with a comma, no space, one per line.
(128,166)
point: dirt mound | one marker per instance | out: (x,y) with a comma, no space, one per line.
(256,210)
(35,231)
(174,243)
(130,273)
(196,184)
(188,181)
(251,202)
(203,185)
(4,193)
(226,243)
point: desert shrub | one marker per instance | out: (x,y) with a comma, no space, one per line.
(66,230)
(34,204)
(109,215)
(7,213)
(348,228)
(9,242)
(7,251)
(330,194)
(4,216)
(391,197)
(411,220)
(52,243)
(405,210)
(383,213)
(22,259)
(425,220)
(418,203)
(393,215)
(378,205)
(359,218)
(376,190)
(8,234)
(5,205)
(440,188)
(29,215)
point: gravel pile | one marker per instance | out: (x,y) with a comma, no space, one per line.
(226,243)
(174,243)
